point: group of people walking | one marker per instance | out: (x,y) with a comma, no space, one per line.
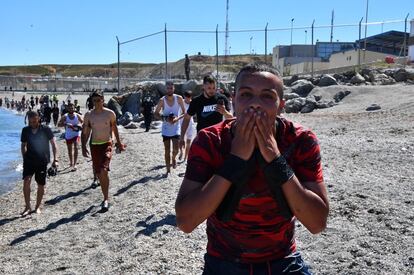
(251,174)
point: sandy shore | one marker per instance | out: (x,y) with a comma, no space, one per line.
(368,167)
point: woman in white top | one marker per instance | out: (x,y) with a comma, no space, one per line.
(172,105)
(188,95)
(72,122)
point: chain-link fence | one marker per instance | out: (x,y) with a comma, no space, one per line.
(172,44)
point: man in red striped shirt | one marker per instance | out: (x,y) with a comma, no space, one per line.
(251,177)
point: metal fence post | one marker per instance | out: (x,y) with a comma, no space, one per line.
(313,46)
(166,52)
(217,61)
(118,63)
(266,43)
(359,44)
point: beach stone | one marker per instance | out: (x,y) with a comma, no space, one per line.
(288,96)
(349,74)
(327,80)
(190,85)
(357,79)
(302,87)
(400,75)
(324,104)
(125,119)
(115,106)
(309,106)
(373,107)
(138,118)
(132,125)
(288,80)
(132,103)
(295,105)
(340,95)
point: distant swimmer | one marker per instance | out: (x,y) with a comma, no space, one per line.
(72,122)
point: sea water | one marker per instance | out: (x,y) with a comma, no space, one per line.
(11,163)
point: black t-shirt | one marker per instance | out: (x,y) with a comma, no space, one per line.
(55,111)
(37,144)
(47,111)
(205,109)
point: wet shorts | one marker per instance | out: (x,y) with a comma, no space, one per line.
(73,140)
(165,138)
(29,169)
(101,156)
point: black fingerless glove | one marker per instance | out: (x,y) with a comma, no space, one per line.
(238,172)
(276,174)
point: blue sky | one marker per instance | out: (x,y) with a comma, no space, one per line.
(83,32)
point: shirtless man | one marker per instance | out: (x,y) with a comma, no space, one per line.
(100,123)
(72,122)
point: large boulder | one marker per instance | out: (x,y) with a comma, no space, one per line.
(132,103)
(115,106)
(190,85)
(410,74)
(125,119)
(288,80)
(288,96)
(295,105)
(400,75)
(327,80)
(309,106)
(302,87)
(357,79)
(381,78)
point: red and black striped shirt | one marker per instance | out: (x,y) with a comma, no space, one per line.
(257,232)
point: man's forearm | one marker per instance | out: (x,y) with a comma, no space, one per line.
(199,204)
(116,133)
(227,115)
(310,209)
(184,126)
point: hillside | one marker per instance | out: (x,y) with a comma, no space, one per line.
(200,65)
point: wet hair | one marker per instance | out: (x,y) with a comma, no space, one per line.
(188,94)
(209,79)
(169,82)
(97,93)
(255,68)
(32,114)
(70,105)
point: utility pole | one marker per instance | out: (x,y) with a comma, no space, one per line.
(291,30)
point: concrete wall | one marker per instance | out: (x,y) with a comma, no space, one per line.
(350,58)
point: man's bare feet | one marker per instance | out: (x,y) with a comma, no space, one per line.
(174,163)
(180,156)
(74,168)
(38,211)
(26,212)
